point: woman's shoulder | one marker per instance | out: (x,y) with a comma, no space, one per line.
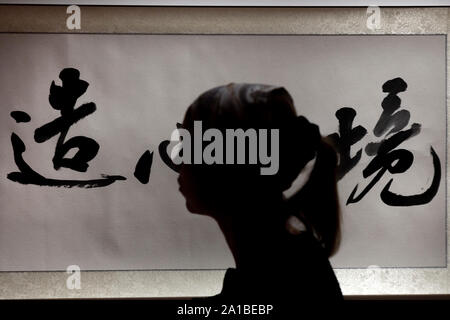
(275,285)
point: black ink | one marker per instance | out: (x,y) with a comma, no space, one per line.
(20,116)
(143,167)
(388,158)
(54,127)
(396,161)
(162,149)
(343,141)
(393,199)
(63,98)
(391,143)
(27,175)
(390,103)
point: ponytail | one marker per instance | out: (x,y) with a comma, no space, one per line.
(316,204)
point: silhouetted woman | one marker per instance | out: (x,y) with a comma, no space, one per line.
(280,245)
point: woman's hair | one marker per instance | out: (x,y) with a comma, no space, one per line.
(268,107)
(317,202)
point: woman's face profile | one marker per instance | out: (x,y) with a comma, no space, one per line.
(213,189)
(189,190)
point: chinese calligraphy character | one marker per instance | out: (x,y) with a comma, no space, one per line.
(387,158)
(62,98)
(343,141)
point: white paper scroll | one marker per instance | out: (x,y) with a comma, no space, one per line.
(142,85)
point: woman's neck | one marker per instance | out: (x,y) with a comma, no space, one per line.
(250,233)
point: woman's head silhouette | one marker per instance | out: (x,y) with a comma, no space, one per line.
(238,196)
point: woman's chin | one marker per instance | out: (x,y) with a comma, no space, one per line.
(192,208)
